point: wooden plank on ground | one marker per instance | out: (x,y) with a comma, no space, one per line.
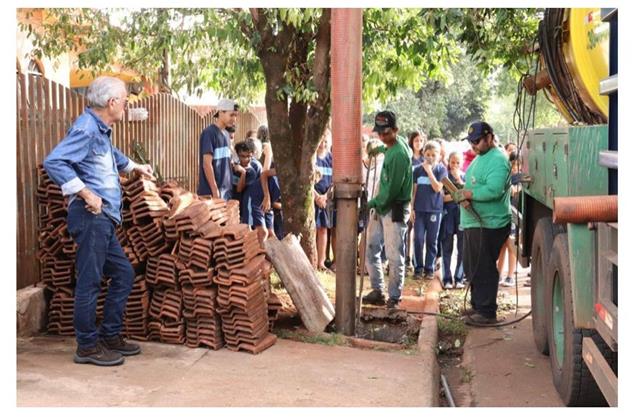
(300,280)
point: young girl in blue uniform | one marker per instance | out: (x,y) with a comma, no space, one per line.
(324,164)
(451,226)
(427,204)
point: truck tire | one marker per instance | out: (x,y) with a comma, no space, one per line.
(540,254)
(571,377)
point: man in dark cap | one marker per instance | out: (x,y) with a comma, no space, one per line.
(487,188)
(388,224)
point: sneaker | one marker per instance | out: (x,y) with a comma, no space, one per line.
(460,285)
(98,355)
(508,282)
(418,274)
(120,345)
(480,319)
(467,312)
(375,297)
(448,285)
(429,276)
(392,303)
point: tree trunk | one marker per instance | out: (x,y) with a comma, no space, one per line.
(295,129)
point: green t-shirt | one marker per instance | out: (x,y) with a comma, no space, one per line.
(489,178)
(395,177)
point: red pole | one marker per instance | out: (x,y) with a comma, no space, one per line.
(346,120)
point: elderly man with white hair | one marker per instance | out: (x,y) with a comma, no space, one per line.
(86,164)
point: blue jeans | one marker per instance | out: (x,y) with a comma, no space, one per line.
(447,252)
(427,225)
(99,254)
(383,231)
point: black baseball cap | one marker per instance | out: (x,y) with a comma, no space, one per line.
(385,119)
(478,130)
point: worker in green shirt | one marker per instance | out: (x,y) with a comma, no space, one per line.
(388,224)
(487,187)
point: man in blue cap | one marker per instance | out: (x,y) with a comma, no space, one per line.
(487,188)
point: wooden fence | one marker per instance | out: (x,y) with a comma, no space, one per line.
(45,110)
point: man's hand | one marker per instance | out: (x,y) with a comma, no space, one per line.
(321,201)
(458,196)
(372,150)
(145,170)
(266,204)
(93,202)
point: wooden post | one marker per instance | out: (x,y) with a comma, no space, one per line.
(300,280)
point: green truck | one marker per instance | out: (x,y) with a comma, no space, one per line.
(572,247)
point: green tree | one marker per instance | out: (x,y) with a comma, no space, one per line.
(284,54)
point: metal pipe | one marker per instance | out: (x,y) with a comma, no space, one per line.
(447,391)
(585,209)
(346,119)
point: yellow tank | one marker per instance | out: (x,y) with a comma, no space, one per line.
(586,52)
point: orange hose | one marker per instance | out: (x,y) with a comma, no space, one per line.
(585,209)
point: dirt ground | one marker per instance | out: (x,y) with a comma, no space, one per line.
(501,366)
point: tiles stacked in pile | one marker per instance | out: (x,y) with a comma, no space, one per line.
(56,248)
(243,290)
(200,275)
(197,224)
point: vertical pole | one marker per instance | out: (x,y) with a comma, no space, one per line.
(346,99)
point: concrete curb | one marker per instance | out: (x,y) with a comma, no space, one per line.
(427,345)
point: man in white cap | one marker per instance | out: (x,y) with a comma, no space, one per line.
(215,154)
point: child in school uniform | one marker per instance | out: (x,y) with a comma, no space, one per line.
(247,182)
(324,220)
(272,204)
(451,227)
(427,204)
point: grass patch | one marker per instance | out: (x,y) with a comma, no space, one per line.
(467,375)
(324,339)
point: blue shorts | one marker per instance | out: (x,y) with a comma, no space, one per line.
(255,217)
(324,219)
(268,219)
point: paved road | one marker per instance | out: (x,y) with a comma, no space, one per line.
(506,367)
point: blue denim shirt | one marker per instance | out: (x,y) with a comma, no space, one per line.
(86,158)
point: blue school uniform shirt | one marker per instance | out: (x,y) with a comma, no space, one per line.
(416,162)
(427,200)
(216,142)
(252,194)
(325,165)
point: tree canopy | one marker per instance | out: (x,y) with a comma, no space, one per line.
(283,55)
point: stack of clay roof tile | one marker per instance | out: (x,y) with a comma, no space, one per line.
(56,248)
(136,311)
(176,242)
(243,289)
(167,324)
(274,305)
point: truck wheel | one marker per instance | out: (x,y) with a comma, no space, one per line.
(540,254)
(571,377)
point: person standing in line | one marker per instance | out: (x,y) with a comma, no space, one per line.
(487,188)
(324,164)
(216,174)
(508,249)
(388,224)
(427,209)
(85,164)
(416,143)
(451,227)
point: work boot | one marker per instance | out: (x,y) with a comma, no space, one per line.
(480,319)
(392,303)
(375,297)
(98,355)
(120,345)
(467,312)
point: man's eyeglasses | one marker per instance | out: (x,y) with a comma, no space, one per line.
(117,99)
